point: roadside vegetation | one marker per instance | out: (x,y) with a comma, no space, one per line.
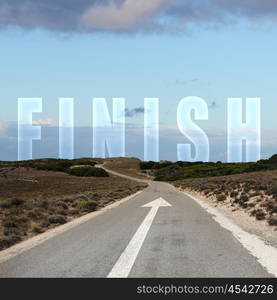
(40,194)
(248,186)
(77,167)
(255,192)
(172,171)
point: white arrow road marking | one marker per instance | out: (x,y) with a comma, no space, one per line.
(127,259)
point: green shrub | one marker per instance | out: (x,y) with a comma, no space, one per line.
(88,172)
(220,197)
(5,204)
(57,219)
(273,190)
(89,205)
(233,194)
(16,201)
(56,165)
(146,165)
(11,202)
(84,161)
(260,215)
(61,204)
(272,220)
(163,170)
(7,241)
(149,165)
(44,204)
(244,198)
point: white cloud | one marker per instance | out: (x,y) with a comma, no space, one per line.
(47,122)
(117,17)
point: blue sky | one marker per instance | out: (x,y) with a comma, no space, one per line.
(210,59)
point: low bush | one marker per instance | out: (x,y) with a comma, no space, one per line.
(7,241)
(37,229)
(56,165)
(5,204)
(61,204)
(244,198)
(44,204)
(11,202)
(84,161)
(273,190)
(234,194)
(16,201)
(56,219)
(260,215)
(272,220)
(89,205)
(146,165)
(88,171)
(220,197)
(163,170)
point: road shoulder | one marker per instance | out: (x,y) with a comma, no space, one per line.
(265,252)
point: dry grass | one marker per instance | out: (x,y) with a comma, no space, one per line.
(32,201)
(126,166)
(256,192)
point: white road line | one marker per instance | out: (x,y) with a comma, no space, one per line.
(127,259)
(266,254)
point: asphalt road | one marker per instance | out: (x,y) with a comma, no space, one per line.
(180,240)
